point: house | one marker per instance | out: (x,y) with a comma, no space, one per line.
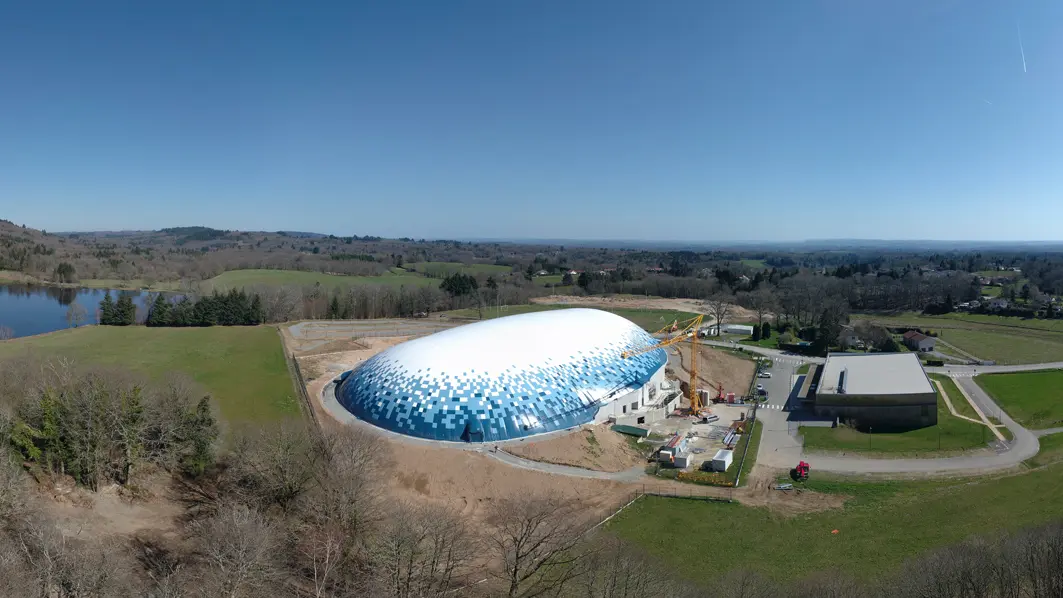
(848,339)
(917,341)
(541,273)
(998,303)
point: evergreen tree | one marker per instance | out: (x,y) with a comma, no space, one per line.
(756,333)
(333,308)
(160,312)
(107,310)
(125,313)
(201,434)
(181,313)
(765,331)
(254,313)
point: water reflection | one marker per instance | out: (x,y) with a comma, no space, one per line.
(33,309)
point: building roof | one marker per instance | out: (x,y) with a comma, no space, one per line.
(503,378)
(914,335)
(874,374)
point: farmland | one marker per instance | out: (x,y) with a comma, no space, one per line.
(440,269)
(1030,398)
(249,278)
(242,368)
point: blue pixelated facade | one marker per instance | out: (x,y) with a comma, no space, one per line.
(502,379)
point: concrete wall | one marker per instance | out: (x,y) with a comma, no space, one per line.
(870,411)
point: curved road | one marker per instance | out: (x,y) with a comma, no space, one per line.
(781,448)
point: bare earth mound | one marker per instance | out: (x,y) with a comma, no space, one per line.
(718,367)
(591,447)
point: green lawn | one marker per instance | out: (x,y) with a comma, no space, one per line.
(649,319)
(998,273)
(1051,451)
(444,268)
(248,278)
(1006,340)
(549,279)
(960,402)
(1031,398)
(883,524)
(951,434)
(767,343)
(758,264)
(751,458)
(243,368)
(992,291)
(804,368)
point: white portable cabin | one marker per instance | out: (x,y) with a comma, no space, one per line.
(722,460)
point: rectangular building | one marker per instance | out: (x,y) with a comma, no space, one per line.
(869,389)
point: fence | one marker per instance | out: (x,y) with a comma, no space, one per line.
(296,374)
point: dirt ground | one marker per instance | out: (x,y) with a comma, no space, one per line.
(591,447)
(718,367)
(80,512)
(738,313)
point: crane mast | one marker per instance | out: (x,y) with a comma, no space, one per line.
(687,329)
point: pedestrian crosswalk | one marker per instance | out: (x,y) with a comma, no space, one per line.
(776,407)
(965,374)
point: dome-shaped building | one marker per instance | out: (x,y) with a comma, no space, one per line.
(507,378)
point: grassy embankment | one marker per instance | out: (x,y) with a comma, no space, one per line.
(649,319)
(882,523)
(1030,398)
(242,368)
(950,435)
(1005,340)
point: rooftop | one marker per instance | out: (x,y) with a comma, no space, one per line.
(874,374)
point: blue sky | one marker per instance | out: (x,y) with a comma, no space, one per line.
(685,120)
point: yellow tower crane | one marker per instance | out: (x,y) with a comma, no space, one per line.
(687,329)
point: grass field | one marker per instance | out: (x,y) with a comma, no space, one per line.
(248,278)
(998,273)
(243,368)
(1005,340)
(960,402)
(880,526)
(439,268)
(549,279)
(1051,451)
(992,291)
(649,319)
(767,343)
(759,264)
(803,369)
(1030,398)
(951,434)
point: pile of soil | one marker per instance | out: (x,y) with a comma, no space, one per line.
(591,447)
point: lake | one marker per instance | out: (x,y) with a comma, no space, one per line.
(32,309)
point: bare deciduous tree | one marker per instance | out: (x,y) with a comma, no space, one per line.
(276,464)
(240,546)
(6,333)
(535,539)
(75,315)
(761,301)
(720,305)
(614,569)
(423,552)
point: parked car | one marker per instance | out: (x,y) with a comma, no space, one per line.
(760,387)
(764,375)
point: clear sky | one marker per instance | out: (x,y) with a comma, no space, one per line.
(599,119)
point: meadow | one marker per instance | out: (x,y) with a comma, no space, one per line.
(242,367)
(1005,340)
(881,524)
(1030,398)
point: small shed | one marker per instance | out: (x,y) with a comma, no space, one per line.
(722,460)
